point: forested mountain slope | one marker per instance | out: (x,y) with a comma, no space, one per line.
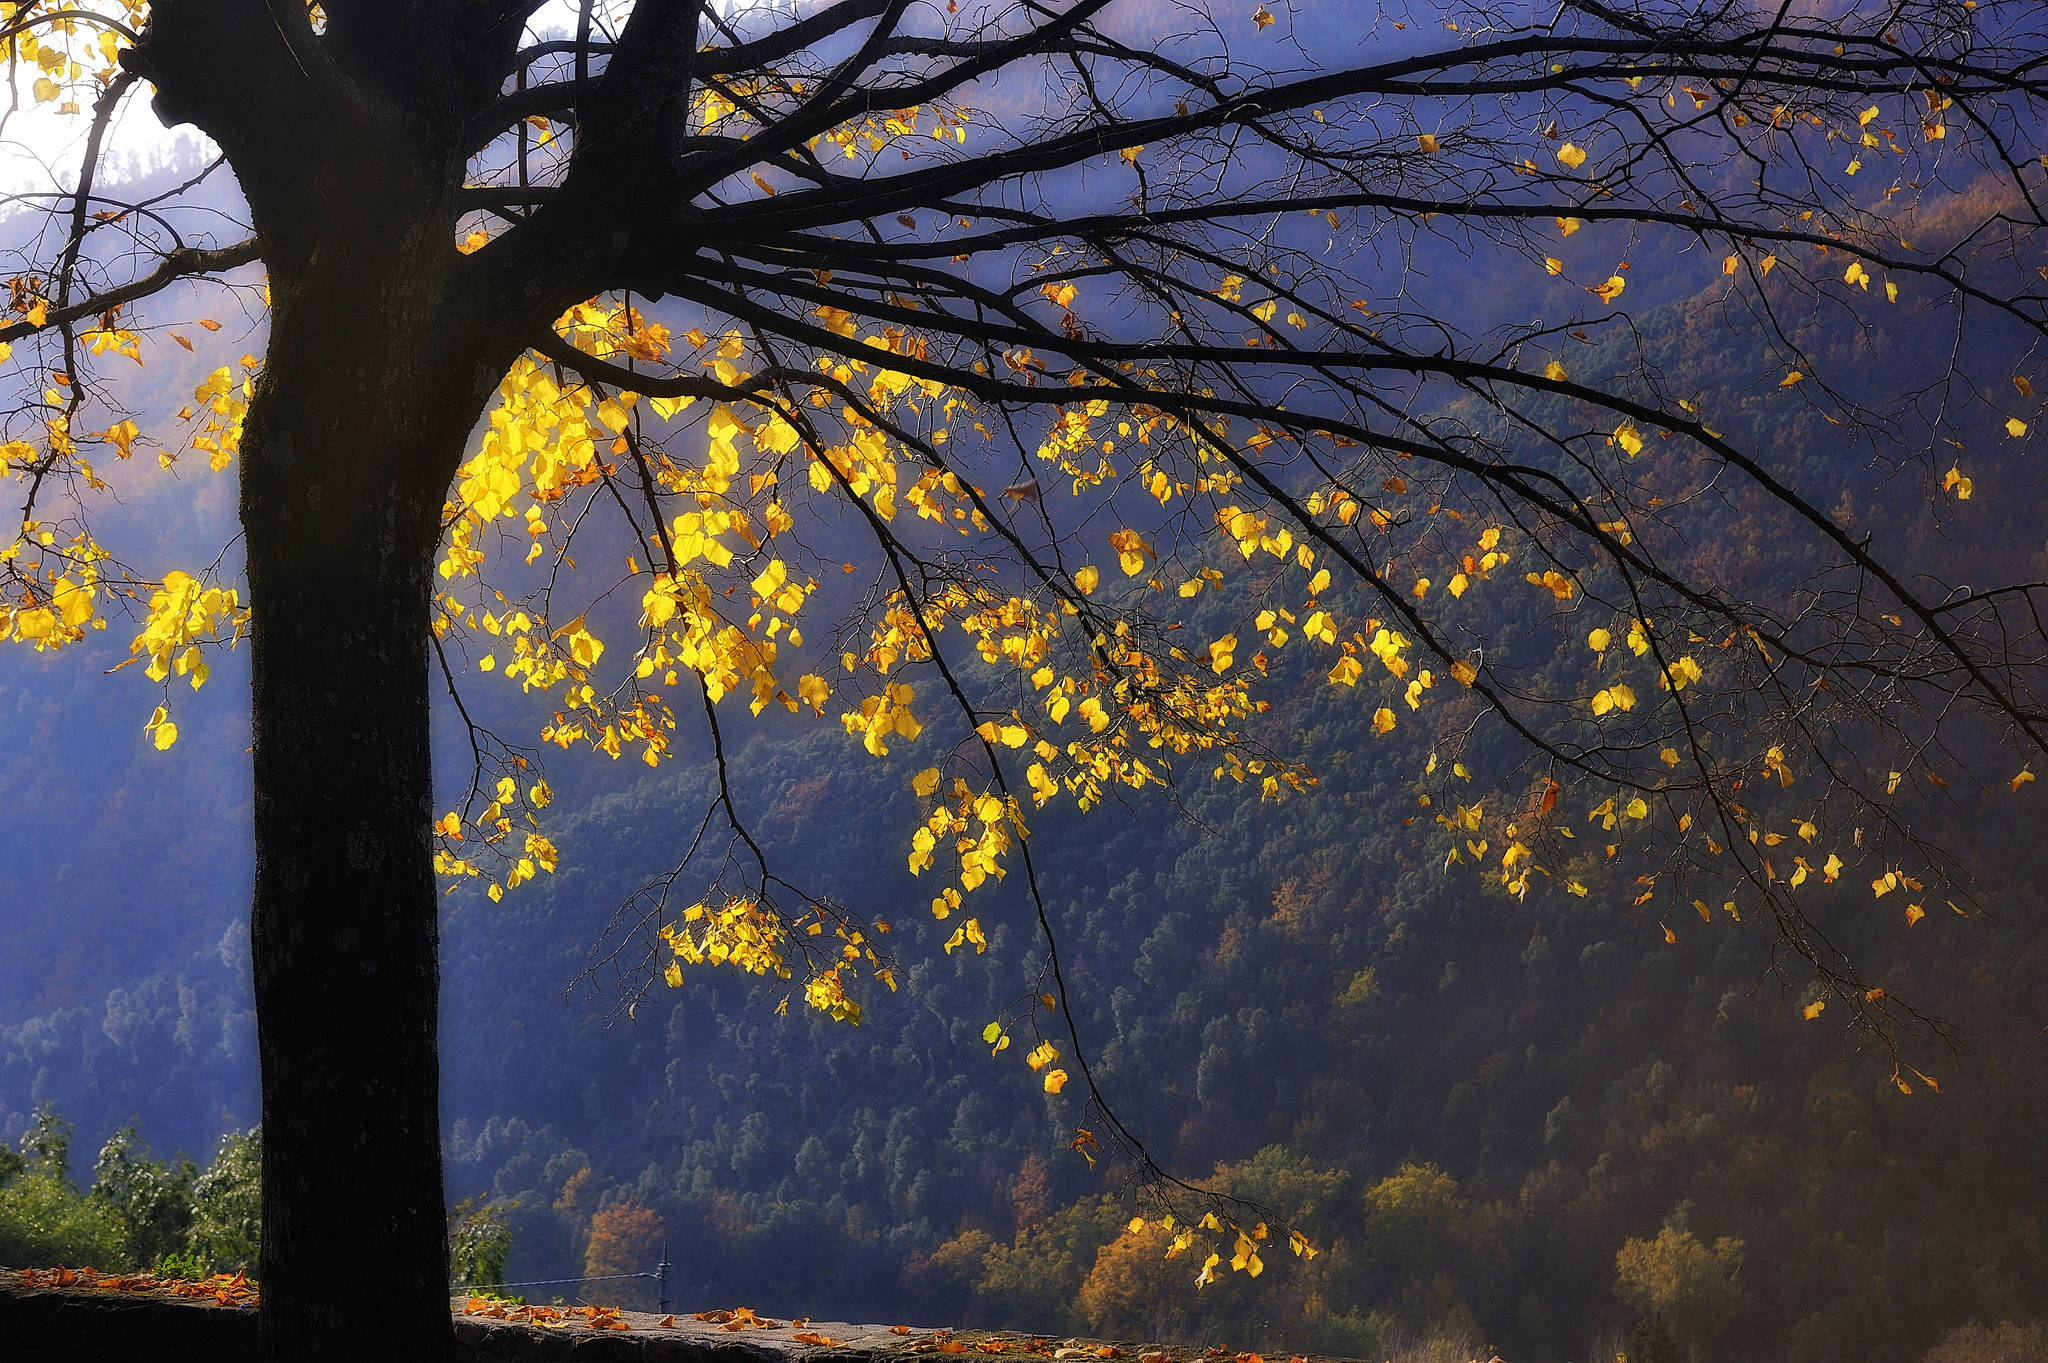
(1539,1119)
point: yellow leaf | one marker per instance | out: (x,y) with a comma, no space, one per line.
(1611,290)
(1222,652)
(2020,780)
(1914,913)
(1553,264)
(1426,143)
(1599,639)
(1567,226)
(1571,156)
(1863,119)
(1086,580)
(1615,697)
(1813,1010)
(1346,672)
(1055,1081)
(2015,428)
(1729,263)
(1555,372)
(1383,721)
(1790,379)
(1261,17)
(1465,672)
(926,781)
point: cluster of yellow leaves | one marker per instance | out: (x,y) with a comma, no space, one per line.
(66,603)
(751,936)
(978,855)
(1243,1244)
(865,138)
(74,47)
(183,614)
(222,403)
(493,829)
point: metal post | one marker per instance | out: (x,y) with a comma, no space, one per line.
(661,1276)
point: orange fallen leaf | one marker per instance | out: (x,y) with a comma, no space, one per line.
(813,1337)
(668,1322)
(899,1329)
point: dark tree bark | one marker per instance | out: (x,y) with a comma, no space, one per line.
(382,354)
(341,500)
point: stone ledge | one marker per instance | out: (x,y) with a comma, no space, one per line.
(86,1325)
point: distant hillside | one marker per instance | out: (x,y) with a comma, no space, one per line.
(1535,1120)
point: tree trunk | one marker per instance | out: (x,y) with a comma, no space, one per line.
(358,421)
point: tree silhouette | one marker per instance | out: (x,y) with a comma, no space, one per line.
(1000,290)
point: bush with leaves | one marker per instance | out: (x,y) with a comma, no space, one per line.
(44,1219)
(2006,1342)
(479,1238)
(151,1199)
(1696,1289)
(227,1203)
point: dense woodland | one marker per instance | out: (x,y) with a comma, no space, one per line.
(1556,1126)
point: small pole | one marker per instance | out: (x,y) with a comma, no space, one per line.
(661,1276)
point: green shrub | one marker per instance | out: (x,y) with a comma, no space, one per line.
(152,1201)
(227,1204)
(1351,1334)
(479,1238)
(188,1266)
(44,1220)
